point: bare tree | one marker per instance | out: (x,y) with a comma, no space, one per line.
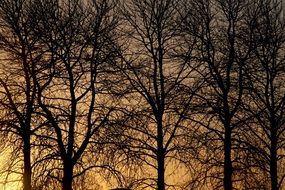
(21,54)
(78,36)
(265,76)
(224,46)
(155,86)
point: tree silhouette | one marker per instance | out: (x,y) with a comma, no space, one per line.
(136,92)
(21,56)
(78,38)
(155,84)
(224,47)
(266,103)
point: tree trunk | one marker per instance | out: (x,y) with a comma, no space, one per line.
(273,162)
(228,168)
(67,176)
(160,170)
(27,162)
(160,159)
